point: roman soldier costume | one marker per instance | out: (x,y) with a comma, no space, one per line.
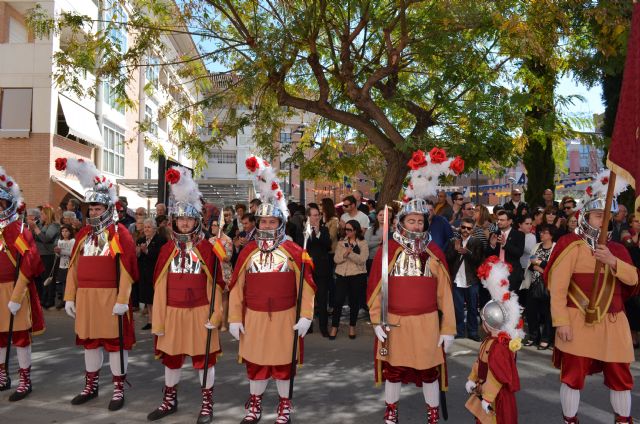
(409,287)
(494,378)
(600,336)
(263,296)
(183,283)
(102,267)
(20,295)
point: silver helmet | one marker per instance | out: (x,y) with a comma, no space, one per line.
(269,240)
(595,201)
(414,241)
(98,196)
(187,210)
(9,205)
(494,315)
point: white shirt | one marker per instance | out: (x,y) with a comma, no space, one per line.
(461,276)
(362,219)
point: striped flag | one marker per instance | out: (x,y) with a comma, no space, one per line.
(21,244)
(307,259)
(114,245)
(219,250)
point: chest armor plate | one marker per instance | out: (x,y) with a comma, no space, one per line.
(186,261)
(274,261)
(409,265)
(96,244)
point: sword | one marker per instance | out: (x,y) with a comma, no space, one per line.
(384,292)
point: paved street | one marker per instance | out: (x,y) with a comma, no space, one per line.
(334,386)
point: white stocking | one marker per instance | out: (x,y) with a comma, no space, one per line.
(283,388)
(621,402)
(570,400)
(211,376)
(114,362)
(3,355)
(431,392)
(392,392)
(93,359)
(257,387)
(172,377)
(24,356)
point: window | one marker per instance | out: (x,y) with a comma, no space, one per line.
(113,151)
(151,120)
(223,157)
(111,97)
(17,31)
(118,18)
(15,112)
(153,72)
(285,137)
(147,173)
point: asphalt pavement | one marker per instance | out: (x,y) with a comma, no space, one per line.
(335,384)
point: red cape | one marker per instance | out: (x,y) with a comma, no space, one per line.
(618,250)
(128,256)
(204,249)
(502,364)
(30,266)
(294,251)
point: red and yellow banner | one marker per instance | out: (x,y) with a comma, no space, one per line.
(219,251)
(307,259)
(21,244)
(114,245)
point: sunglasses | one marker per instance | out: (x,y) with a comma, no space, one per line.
(466,228)
(348,230)
(517,194)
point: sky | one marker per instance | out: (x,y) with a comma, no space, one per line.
(592,103)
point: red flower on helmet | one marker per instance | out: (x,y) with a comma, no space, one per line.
(506,296)
(61,164)
(172,176)
(437,155)
(252,164)
(485,269)
(604,180)
(274,186)
(589,191)
(418,160)
(457,165)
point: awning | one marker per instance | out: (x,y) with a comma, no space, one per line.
(81,121)
(70,185)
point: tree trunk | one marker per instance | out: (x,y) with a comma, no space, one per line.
(538,161)
(394,176)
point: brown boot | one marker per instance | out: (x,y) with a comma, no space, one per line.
(24,387)
(90,390)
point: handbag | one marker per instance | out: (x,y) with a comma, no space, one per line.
(54,271)
(537,290)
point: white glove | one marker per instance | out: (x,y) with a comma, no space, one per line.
(380,333)
(209,326)
(446,341)
(302,326)
(14,307)
(486,407)
(235,328)
(120,309)
(469,386)
(70,308)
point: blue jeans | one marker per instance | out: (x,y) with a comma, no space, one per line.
(468,296)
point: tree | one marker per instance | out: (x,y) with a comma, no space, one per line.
(389,76)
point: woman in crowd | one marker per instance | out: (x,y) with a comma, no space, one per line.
(230,224)
(227,268)
(525,225)
(63,250)
(351,275)
(552,217)
(631,240)
(331,221)
(482,217)
(318,246)
(538,310)
(147,249)
(572,222)
(537,220)
(46,234)
(373,236)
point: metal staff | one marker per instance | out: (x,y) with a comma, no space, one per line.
(384,290)
(294,359)
(207,348)
(11,316)
(120,318)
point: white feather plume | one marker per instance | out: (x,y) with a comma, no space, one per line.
(600,185)
(267,183)
(424,180)
(90,178)
(11,186)
(186,189)
(497,283)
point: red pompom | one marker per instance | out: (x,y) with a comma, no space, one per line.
(506,296)
(96,179)
(457,165)
(279,195)
(520,324)
(411,186)
(119,206)
(438,155)
(61,164)
(274,186)
(21,208)
(405,199)
(418,160)
(503,337)
(9,183)
(3,178)
(252,164)
(504,283)
(265,162)
(81,160)
(604,180)
(172,176)
(589,191)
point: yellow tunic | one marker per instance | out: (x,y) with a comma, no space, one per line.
(18,294)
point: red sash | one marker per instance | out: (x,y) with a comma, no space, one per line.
(7,269)
(187,290)
(608,290)
(270,291)
(413,295)
(96,272)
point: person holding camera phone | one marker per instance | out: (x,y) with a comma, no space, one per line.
(351,275)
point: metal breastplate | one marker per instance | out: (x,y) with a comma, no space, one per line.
(96,244)
(186,261)
(409,265)
(274,261)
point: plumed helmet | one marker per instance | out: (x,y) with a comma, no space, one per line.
(11,199)
(186,203)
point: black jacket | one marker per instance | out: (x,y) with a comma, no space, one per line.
(472,259)
(513,250)
(318,247)
(509,206)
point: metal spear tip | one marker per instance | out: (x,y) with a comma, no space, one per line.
(307,229)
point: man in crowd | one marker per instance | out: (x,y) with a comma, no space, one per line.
(161,209)
(547,200)
(619,223)
(439,228)
(457,200)
(442,206)
(253,205)
(247,234)
(123,212)
(569,206)
(140,214)
(94,296)
(73,205)
(599,340)
(516,205)
(17,290)
(360,205)
(351,212)
(464,256)
(508,245)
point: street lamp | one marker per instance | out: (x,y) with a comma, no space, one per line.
(300,132)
